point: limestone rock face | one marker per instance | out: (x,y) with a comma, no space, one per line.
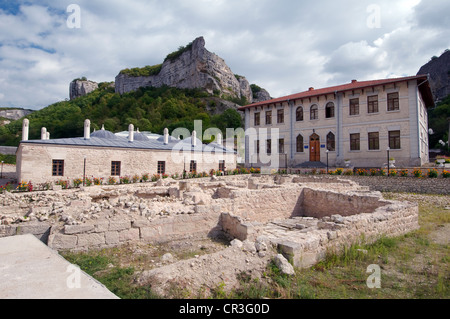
(439,71)
(194,68)
(80,88)
(261,96)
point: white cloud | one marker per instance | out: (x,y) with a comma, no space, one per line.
(284,46)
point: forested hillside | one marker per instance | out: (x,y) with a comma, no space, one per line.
(149,109)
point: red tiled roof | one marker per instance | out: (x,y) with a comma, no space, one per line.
(335,89)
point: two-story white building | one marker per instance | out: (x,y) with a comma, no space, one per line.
(364,122)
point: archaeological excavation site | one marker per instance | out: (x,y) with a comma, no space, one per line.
(260,218)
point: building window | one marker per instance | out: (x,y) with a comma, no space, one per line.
(269,147)
(268,117)
(354,107)
(222,166)
(329,110)
(372,104)
(58,168)
(300,145)
(257,119)
(193,167)
(161,168)
(394,140)
(393,102)
(374,141)
(299,114)
(314,112)
(331,142)
(115,168)
(355,142)
(281,146)
(280,116)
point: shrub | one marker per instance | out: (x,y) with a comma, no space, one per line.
(382,172)
(446,174)
(124,180)
(362,172)
(88,182)
(77,182)
(136,178)
(404,173)
(6,188)
(394,172)
(98,181)
(339,171)
(63,183)
(145,177)
(348,172)
(373,172)
(432,173)
(112,181)
(418,173)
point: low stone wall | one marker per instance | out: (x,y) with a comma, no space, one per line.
(403,184)
(319,204)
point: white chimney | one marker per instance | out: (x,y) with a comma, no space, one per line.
(131,133)
(166,136)
(219,139)
(87,129)
(194,138)
(25,129)
(43,133)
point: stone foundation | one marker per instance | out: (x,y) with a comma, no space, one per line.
(304,218)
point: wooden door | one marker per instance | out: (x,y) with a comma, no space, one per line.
(314,148)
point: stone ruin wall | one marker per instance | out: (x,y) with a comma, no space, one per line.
(239,207)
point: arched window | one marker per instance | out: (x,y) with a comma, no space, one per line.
(329,110)
(331,142)
(300,145)
(299,114)
(314,112)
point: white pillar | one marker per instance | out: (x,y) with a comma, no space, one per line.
(43,133)
(166,136)
(25,129)
(87,129)
(48,135)
(219,139)
(194,138)
(131,133)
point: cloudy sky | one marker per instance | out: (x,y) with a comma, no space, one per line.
(283,46)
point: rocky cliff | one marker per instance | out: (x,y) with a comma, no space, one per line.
(81,87)
(190,67)
(14,114)
(439,71)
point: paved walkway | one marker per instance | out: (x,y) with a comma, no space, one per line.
(31,270)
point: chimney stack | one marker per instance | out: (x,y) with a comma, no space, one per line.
(25,129)
(194,138)
(166,136)
(219,139)
(87,130)
(43,133)
(131,133)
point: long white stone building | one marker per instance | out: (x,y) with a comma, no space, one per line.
(364,122)
(102,154)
